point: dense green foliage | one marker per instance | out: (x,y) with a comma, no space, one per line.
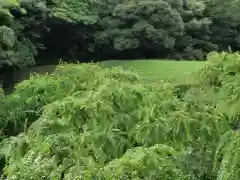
(15,48)
(136,28)
(110,29)
(86,122)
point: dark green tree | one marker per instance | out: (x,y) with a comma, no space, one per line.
(141,27)
(226,23)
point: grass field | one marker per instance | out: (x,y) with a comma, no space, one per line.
(150,70)
(154,70)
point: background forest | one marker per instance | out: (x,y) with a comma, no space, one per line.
(43,31)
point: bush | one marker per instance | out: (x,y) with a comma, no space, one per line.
(219,67)
(143,163)
(222,74)
(26,103)
(89,114)
(92,121)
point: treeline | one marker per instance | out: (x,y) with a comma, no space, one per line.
(40,31)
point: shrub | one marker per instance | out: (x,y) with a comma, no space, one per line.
(219,67)
(26,103)
(155,162)
(92,121)
(222,72)
(90,115)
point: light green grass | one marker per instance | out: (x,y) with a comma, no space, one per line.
(154,70)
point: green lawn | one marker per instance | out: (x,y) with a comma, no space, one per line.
(174,71)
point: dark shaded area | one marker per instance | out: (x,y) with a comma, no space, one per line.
(16,12)
(185,4)
(12,75)
(7,78)
(2,164)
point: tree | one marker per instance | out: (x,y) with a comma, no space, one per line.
(136,26)
(15,49)
(226,19)
(94,30)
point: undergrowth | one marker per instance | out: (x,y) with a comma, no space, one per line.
(85,122)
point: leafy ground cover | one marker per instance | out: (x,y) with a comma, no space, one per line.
(89,122)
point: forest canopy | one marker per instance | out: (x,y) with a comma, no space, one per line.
(39,31)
